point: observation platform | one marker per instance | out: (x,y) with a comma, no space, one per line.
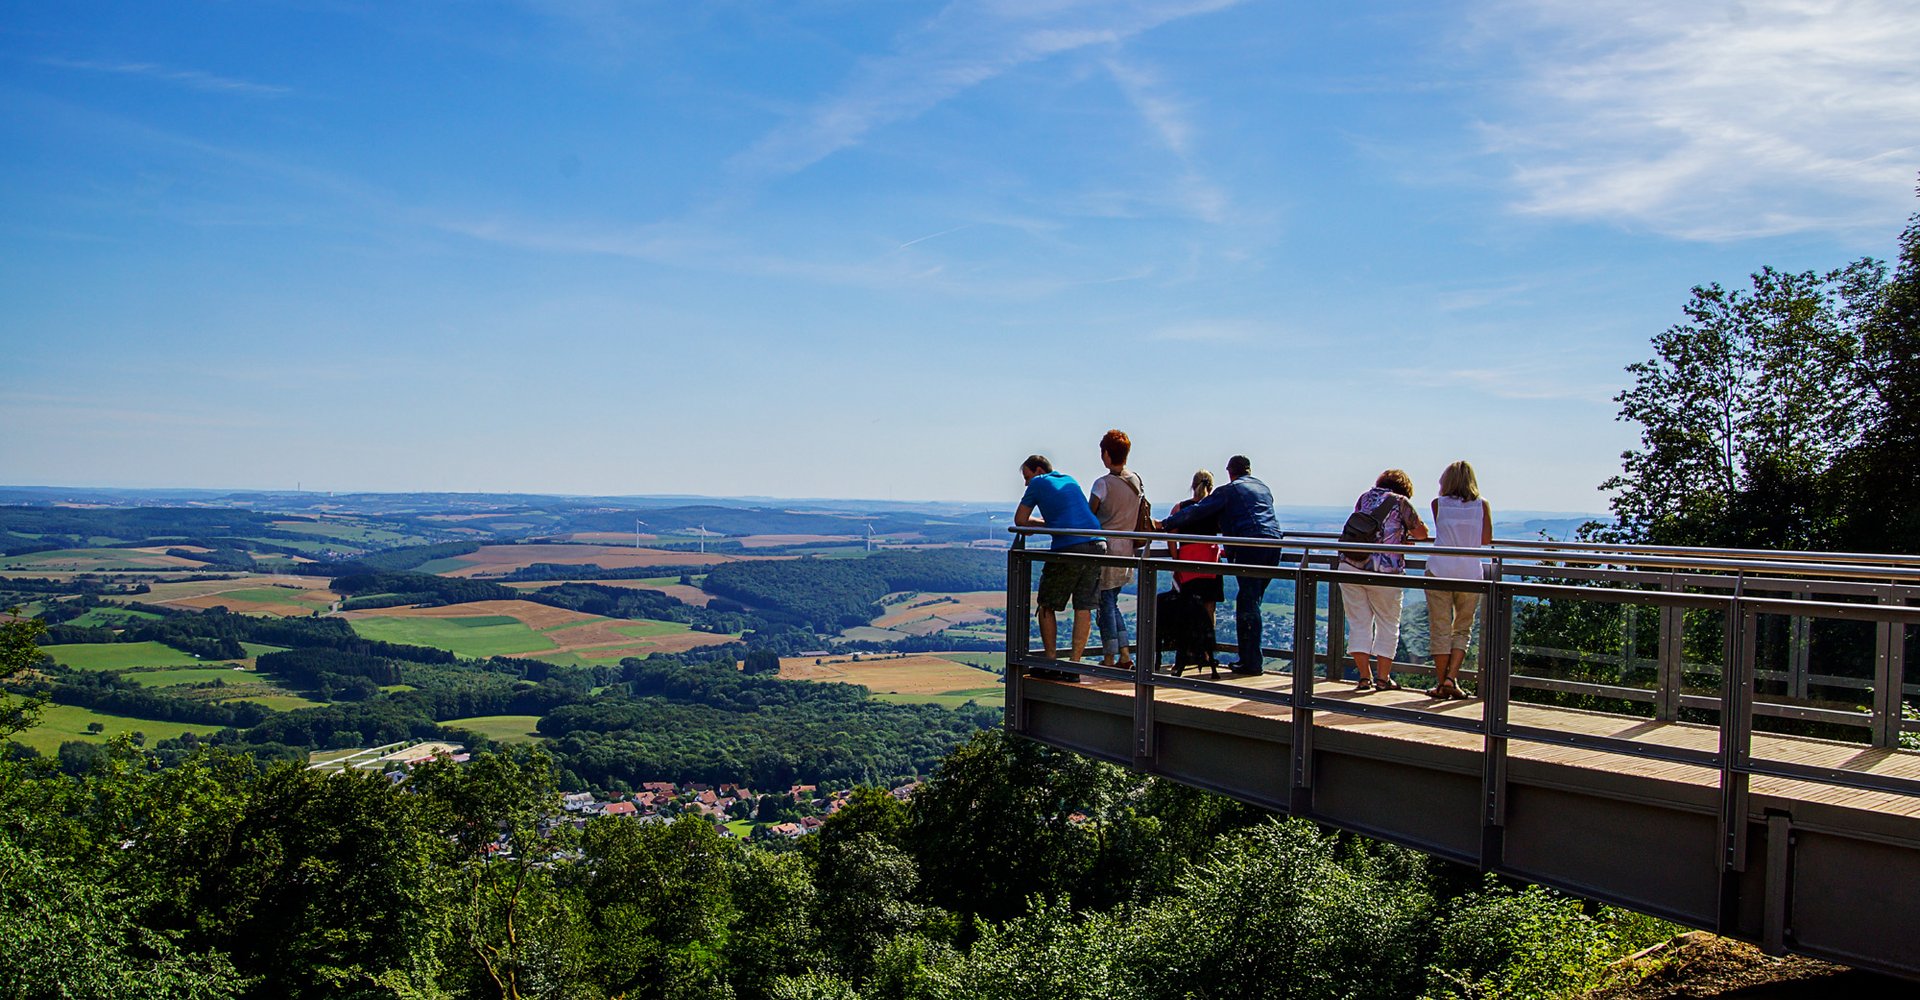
(1610,774)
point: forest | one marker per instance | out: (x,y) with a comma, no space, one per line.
(827,595)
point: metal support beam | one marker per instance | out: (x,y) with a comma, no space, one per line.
(1019,631)
(1776,907)
(1496,669)
(1146,656)
(1306,604)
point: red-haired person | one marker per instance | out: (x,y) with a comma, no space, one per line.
(1116,502)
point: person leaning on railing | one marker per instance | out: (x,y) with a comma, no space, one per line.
(1461,519)
(1116,502)
(1243,508)
(1205,587)
(1373,612)
(1060,504)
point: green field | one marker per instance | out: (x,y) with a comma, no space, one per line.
(274,595)
(60,723)
(113,618)
(583,659)
(87,560)
(284,702)
(644,629)
(119,655)
(483,635)
(948,699)
(259,648)
(441,565)
(175,676)
(505,728)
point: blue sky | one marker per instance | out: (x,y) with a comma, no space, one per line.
(887,249)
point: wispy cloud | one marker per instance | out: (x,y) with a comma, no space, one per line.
(965,45)
(1170,122)
(190,78)
(1716,122)
(1517,381)
(1213,331)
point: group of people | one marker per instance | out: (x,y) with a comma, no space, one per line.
(1243,508)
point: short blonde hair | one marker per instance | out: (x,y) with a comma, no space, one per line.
(1457,481)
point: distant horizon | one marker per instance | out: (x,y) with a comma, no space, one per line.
(693,499)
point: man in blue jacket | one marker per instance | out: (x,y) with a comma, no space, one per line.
(1243,508)
(1062,504)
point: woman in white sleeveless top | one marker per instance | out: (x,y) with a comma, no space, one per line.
(1461,519)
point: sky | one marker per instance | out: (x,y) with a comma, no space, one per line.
(888,249)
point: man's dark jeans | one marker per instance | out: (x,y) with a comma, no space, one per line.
(1246,605)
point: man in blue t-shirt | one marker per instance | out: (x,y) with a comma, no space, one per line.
(1061,504)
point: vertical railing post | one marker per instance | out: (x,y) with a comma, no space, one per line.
(1736,742)
(1673,657)
(1306,639)
(1146,656)
(1800,650)
(1889,673)
(1336,629)
(1019,629)
(1496,672)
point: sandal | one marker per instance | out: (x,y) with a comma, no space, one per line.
(1439,692)
(1366,684)
(1386,684)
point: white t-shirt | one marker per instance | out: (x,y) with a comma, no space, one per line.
(1458,524)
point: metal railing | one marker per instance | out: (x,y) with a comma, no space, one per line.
(1736,586)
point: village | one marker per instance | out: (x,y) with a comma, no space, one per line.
(736,810)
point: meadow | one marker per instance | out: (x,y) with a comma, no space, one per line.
(479,636)
(119,655)
(60,723)
(504,728)
(508,628)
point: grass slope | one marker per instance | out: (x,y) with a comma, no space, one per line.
(119,655)
(486,635)
(60,723)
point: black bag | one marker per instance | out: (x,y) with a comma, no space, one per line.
(1366,525)
(1184,628)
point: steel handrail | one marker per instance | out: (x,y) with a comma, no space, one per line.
(1737,764)
(1284,543)
(1639,548)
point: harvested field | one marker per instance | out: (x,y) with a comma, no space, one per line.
(940,611)
(271,595)
(679,591)
(499,560)
(923,674)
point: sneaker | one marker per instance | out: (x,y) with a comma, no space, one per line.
(1246,671)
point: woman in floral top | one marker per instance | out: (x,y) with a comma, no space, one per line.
(1373,612)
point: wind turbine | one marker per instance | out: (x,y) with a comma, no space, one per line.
(636,531)
(869,538)
(703,539)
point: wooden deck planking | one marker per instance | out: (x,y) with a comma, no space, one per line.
(1800,750)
